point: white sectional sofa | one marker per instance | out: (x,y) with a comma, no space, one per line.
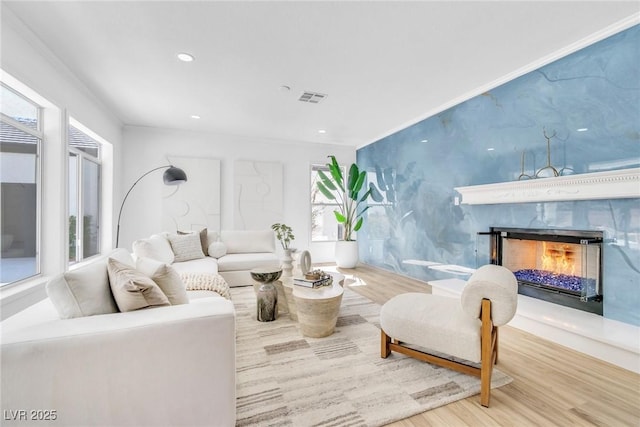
(231,253)
(160,366)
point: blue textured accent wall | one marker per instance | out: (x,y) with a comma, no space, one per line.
(482,141)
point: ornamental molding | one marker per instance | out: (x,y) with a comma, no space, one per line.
(618,184)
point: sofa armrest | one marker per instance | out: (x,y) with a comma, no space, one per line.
(162,366)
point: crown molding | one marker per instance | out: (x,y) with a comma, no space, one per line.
(617,184)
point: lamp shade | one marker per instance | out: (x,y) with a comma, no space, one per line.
(174,176)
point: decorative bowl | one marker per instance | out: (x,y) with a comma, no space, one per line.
(265,275)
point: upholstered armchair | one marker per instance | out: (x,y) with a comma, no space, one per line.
(441,330)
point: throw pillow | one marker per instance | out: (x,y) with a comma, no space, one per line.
(166,277)
(217,249)
(203,239)
(83,291)
(186,247)
(133,290)
(155,247)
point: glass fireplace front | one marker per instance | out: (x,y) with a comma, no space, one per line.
(559,266)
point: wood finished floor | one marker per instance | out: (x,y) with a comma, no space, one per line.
(552,385)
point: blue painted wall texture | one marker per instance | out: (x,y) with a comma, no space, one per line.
(590,100)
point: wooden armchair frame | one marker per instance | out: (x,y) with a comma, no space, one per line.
(489,353)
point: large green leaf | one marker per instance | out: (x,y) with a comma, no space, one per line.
(328,194)
(354,173)
(327,182)
(365,195)
(358,224)
(336,172)
(360,182)
(339,217)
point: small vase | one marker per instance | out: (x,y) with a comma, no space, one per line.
(267,303)
(287,264)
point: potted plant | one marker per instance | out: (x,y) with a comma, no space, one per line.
(349,213)
(284,234)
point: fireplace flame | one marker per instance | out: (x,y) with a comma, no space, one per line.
(558,258)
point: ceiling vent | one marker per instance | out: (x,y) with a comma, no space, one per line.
(312,97)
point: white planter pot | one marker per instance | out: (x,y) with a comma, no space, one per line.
(346,254)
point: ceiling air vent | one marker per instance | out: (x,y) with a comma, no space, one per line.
(312,97)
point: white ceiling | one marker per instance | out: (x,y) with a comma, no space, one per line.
(383,65)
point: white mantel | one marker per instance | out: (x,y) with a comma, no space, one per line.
(618,184)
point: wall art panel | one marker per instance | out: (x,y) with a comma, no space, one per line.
(258,194)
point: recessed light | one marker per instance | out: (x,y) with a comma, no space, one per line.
(195,116)
(322,131)
(582,130)
(185,57)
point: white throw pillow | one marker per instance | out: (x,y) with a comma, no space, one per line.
(217,249)
(131,289)
(166,277)
(155,247)
(186,247)
(85,291)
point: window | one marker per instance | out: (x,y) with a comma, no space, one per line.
(20,148)
(324,226)
(84,195)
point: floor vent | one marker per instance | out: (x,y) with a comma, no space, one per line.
(312,97)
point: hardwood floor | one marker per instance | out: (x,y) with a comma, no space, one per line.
(552,385)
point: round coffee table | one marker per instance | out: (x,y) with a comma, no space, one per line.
(318,308)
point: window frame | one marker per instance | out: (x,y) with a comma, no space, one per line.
(82,157)
(314,167)
(37,133)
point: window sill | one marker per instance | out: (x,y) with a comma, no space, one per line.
(16,298)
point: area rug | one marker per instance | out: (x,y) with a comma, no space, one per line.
(286,379)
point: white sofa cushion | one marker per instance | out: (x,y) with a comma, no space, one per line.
(433,321)
(246,261)
(202,265)
(186,247)
(155,247)
(243,241)
(131,289)
(85,291)
(166,277)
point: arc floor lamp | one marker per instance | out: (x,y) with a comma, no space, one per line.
(172,176)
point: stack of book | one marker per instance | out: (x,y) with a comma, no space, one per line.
(326,280)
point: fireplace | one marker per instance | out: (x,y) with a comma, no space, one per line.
(560,266)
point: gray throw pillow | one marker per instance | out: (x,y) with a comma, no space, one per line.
(186,247)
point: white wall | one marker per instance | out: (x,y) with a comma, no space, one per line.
(146,148)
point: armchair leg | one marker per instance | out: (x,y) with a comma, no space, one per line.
(385,340)
(489,340)
(495,362)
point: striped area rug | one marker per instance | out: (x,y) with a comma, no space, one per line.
(286,379)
